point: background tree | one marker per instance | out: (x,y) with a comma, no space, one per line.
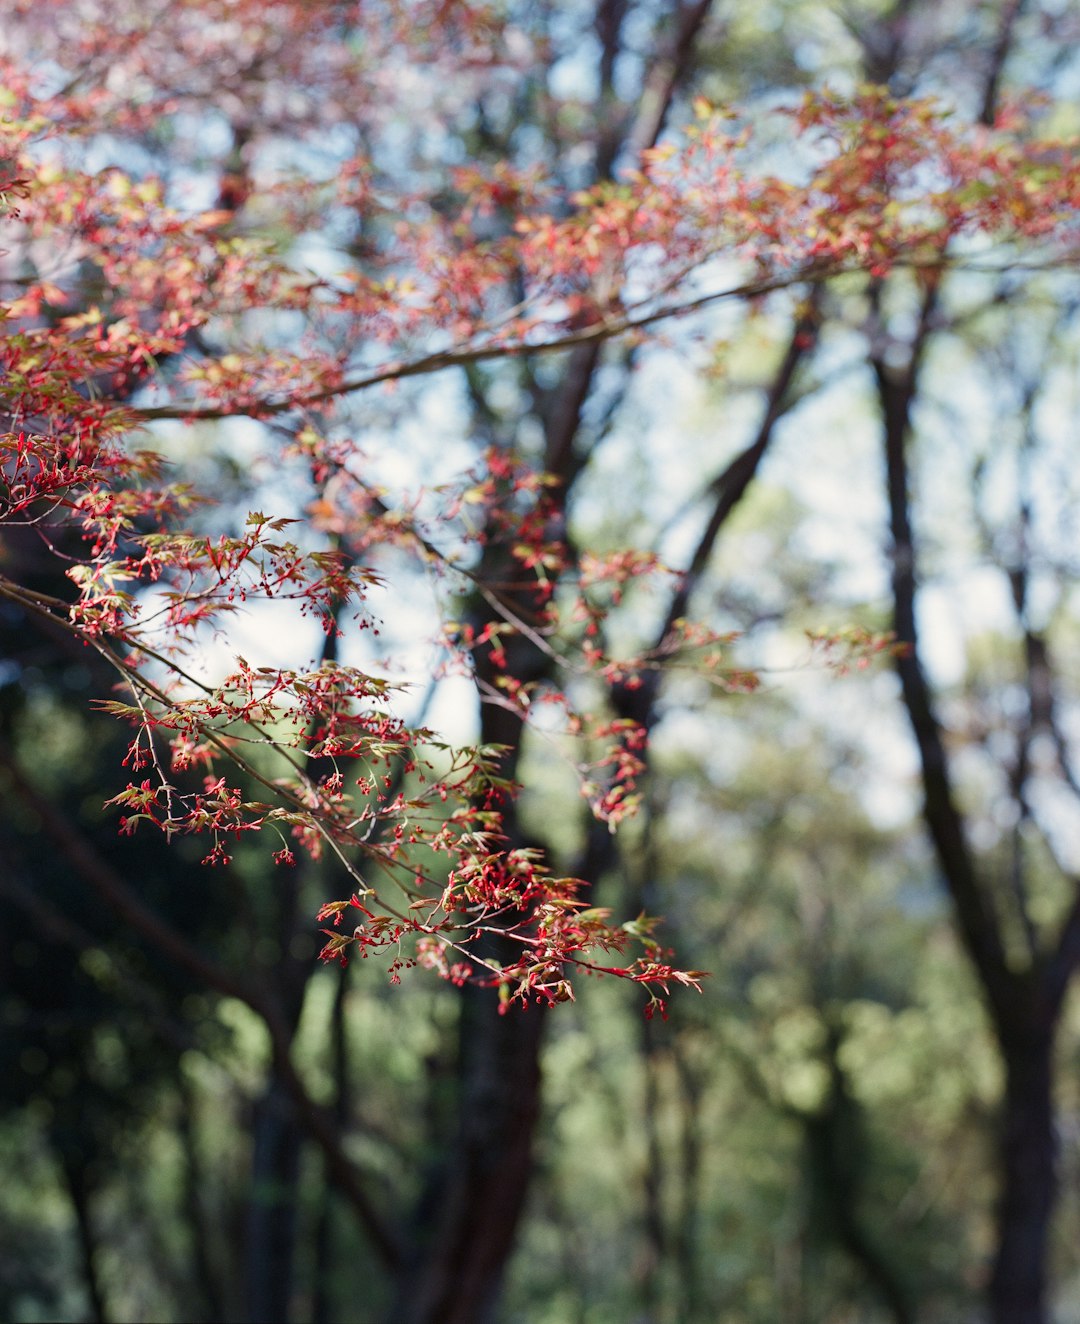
(395,192)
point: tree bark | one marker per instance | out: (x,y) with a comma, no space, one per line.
(79,1192)
(468,1216)
(838,1162)
(322,1310)
(1018,1286)
(270,1234)
(1025,1005)
(203,1271)
(455,1272)
(277,1134)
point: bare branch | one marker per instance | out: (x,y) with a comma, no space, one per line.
(979,926)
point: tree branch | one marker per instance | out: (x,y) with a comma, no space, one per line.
(727,488)
(979,927)
(665,77)
(1010,12)
(606,328)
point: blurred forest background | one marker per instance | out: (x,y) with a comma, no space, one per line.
(880,1084)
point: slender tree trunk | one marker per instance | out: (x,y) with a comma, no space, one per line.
(1029,1182)
(322,1310)
(686,1250)
(277,1136)
(654,1248)
(203,1273)
(271,1216)
(79,1192)
(455,1272)
(1025,1006)
(838,1159)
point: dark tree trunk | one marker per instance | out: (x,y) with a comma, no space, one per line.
(277,1140)
(838,1160)
(1029,1182)
(270,1234)
(1025,1006)
(204,1274)
(322,1310)
(455,1272)
(468,1216)
(79,1192)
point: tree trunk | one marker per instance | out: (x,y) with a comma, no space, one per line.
(277,1136)
(836,1145)
(455,1270)
(204,1275)
(1025,1007)
(79,1191)
(1029,1182)
(322,1310)
(271,1214)
(464,1226)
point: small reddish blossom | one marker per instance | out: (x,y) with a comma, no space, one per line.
(888,181)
